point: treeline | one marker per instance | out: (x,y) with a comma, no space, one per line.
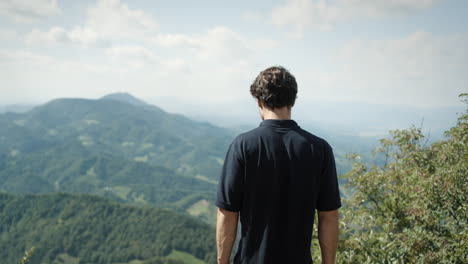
(96,230)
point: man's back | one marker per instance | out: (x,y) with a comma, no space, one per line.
(276,176)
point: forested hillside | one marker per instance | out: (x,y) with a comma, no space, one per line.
(120,127)
(114,177)
(72,229)
(118,147)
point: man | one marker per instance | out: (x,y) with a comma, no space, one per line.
(274,177)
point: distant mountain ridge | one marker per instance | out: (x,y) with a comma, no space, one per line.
(117,146)
(110,126)
(16,108)
(125,98)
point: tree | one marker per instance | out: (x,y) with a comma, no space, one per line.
(414,208)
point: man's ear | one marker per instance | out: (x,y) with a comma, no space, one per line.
(259,103)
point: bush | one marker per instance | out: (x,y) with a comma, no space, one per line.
(414,208)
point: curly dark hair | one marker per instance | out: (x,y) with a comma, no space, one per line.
(275,87)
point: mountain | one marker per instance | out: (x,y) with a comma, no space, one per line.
(74,229)
(116,146)
(141,133)
(16,108)
(125,98)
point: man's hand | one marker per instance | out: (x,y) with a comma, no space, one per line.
(226,229)
(328,235)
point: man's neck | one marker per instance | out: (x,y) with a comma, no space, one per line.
(278,113)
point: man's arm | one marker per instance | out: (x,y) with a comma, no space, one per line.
(226,229)
(328,235)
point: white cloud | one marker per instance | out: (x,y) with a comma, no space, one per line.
(176,40)
(220,60)
(112,24)
(218,49)
(324,15)
(130,51)
(107,21)
(8,34)
(30,76)
(130,44)
(39,62)
(420,69)
(12,56)
(251,16)
(304,13)
(133,55)
(218,43)
(111,20)
(380,8)
(52,36)
(28,10)
(195,67)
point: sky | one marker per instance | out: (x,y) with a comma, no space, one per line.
(410,53)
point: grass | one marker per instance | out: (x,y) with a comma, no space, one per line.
(121,191)
(185,257)
(204,178)
(203,210)
(65,259)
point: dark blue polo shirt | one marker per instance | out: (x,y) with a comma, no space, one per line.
(276,176)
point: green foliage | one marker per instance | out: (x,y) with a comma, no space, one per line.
(414,208)
(184,257)
(96,230)
(116,178)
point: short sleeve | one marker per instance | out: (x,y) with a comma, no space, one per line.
(230,187)
(329,193)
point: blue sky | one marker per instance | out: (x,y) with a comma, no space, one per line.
(393,52)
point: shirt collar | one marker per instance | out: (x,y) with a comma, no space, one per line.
(287,123)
